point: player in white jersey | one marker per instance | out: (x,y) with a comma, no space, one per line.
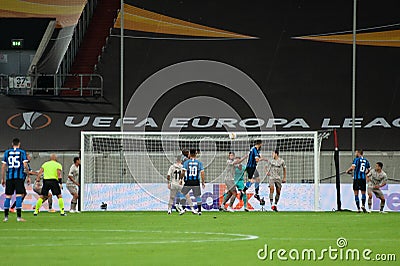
(73,183)
(175,184)
(230,182)
(274,170)
(376,179)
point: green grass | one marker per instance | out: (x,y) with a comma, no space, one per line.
(155,238)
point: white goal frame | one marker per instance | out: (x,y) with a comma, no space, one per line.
(315,135)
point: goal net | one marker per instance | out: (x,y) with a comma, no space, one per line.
(128,170)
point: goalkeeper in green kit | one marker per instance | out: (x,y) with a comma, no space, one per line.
(240,169)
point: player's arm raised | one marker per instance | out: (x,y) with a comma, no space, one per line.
(238,161)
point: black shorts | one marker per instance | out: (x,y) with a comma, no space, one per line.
(50,184)
(360,184)
(16,185)
(196,190)
(250,172)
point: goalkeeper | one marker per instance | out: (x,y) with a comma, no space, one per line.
(240,169)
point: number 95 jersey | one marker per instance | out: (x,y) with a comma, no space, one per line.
(15,159)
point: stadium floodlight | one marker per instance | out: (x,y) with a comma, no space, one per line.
(133,161)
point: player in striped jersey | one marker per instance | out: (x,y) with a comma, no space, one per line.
(193,173)
(254,158)
(27,179)
(376,179)
(15,163)
(360,168)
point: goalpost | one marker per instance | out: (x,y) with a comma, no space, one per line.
(128,170)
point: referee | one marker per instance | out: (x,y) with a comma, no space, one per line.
(52,180)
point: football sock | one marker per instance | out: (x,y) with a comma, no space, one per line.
(50,200)
(363,198)
(357,202)
(6,206)
(271,198)
(369,203)
(232,201)
(225,198)
(245,201)
(183,203)
(38,204)
(198,199)
(277,198)
(382,204)
(257,187)
(74,201)
(61,204)
(246,187)
(18,205)
(15,202)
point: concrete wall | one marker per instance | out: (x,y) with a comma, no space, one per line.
(15,62)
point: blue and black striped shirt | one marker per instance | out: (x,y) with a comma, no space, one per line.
(254,153)
(361,167)
(14,159)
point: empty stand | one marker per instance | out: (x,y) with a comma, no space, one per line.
(91,47)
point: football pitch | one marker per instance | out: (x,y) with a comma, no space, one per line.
(215,238)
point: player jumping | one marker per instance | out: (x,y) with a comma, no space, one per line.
(361,168)
(192,171)
(274,172)
(377,178)
(254,158)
